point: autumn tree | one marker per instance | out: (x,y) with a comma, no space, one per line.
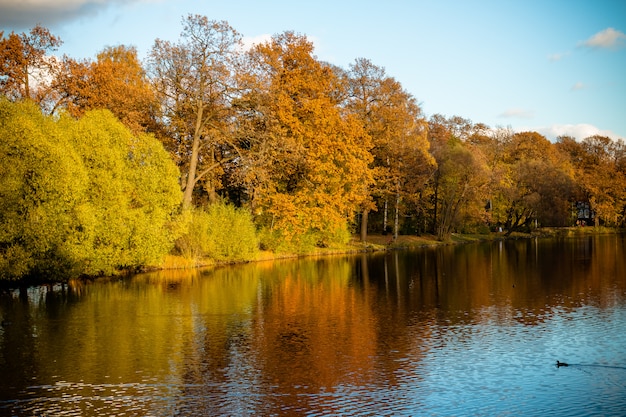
(398,130)
(26,67)
(116,81)
(535,183)
(42,183)
(461,180)
(132,194)
(606,185)
(193,79)
(459,186)
(599,168)
(306,165)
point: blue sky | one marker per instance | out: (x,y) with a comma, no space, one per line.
(554,66)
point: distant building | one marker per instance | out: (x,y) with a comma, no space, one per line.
(584,214)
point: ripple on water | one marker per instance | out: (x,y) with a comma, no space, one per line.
(79,398)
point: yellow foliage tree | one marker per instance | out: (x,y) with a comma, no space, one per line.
(80,196)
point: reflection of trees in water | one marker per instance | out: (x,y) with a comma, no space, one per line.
(266,336)
(526,279)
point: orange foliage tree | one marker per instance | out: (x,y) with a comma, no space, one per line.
(116,81)
(600,170)
(26,68)
(398,130)
(535,184)
(307,166)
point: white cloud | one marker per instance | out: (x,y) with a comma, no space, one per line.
(577,131)
(578,86)
(608,38)
(517,113)
(248,42)
(557,56)
(25,14)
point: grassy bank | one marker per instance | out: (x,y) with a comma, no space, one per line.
(380,243)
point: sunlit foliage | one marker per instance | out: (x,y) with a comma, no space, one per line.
(600,169)
(460,183)
(219,232)
(116,81)
(535,184)
(310,162)
(42,185)
(398,130)
(263,146)
(25,66)
(133,193)
(81,197)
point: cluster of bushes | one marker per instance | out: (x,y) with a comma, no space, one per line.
(220,232)
(87,197)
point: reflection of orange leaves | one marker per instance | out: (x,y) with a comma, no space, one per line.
(322,330)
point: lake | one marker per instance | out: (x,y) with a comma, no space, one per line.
(470,329)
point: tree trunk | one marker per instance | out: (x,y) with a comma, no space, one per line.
(436,202)
(396,222)
(193,162)
(385,217)
(364,217)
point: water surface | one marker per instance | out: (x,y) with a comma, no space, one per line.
(458,330)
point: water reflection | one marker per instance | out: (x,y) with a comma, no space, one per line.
(472,329)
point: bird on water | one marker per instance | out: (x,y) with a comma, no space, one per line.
(559,364)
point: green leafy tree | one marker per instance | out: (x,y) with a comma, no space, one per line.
(133,193)
(220,232)
(42,187)
(81,196)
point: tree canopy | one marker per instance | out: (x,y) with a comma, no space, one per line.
(81,196)
(113,163)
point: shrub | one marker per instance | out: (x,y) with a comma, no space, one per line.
(284,241)
(220,232)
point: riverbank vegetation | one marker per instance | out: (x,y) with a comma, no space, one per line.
(206,151)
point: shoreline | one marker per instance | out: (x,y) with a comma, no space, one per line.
(385,243)
(375,243)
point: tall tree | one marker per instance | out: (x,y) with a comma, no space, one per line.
(116,81)
(365,80)
(398,130)
(460,183)
(42,184)
(535,183)
(25,65)
(193,79)
(80,196)
(599,166)
(307,167)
